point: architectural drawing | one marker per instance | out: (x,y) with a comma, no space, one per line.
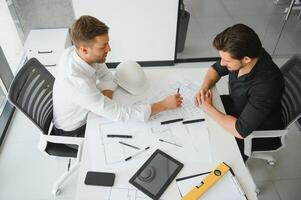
(123,193)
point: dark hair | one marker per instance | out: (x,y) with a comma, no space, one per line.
(85,29)
(238,40)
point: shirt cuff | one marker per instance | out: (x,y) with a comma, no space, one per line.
(147,112)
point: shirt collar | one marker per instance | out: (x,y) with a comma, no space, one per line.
(253,71)
(83,65)
(259,62)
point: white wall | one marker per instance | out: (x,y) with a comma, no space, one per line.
(9,39)
(141,30)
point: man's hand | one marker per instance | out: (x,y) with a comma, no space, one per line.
(226,121)
(108,93)
(199,95)
(206,100)
(210,79)
(172,101)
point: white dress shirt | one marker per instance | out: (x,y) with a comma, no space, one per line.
(77,90)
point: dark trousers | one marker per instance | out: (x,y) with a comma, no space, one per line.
(258,144)
(79,132)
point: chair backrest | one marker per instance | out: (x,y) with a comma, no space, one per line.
(291,99)
(31,92)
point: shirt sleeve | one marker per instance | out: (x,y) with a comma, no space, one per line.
(104,78)
(262,100)
(221,70)
(90,98)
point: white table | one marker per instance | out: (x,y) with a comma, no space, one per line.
(223,148)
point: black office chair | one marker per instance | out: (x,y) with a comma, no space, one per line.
(291,110)
(31,93)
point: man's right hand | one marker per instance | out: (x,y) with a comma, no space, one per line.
(172,101)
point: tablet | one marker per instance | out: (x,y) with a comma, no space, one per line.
(156,174)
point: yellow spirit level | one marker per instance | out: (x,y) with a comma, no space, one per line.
(197,191)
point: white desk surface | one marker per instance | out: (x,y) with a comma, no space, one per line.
(223,148)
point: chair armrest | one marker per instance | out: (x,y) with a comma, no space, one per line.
(62,139)
(267,134)
(261,134)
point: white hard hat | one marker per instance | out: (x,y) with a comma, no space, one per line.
(130,76)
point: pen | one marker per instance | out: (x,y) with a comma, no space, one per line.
(119,136)
(129,145)
(69,163)
(169,142)
(171,121)
(178,90)
(193,121)
(130,157)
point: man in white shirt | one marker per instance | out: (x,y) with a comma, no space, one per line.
(84,83)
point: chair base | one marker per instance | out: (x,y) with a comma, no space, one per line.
(272,163)
(56,190)
(270,159)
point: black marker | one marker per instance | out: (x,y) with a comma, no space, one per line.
(178,90)
(69,163)
(193,121)
(170,143)
(120,136)
(129,145)
(171,121)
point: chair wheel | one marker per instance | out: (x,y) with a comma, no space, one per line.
(272,163)
(58,192)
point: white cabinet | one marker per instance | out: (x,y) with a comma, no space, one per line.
(47,45)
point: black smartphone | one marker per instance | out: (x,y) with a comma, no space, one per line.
(100,178)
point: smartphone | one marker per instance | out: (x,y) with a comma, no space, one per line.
(99,178)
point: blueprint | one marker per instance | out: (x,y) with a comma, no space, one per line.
(175,139)
(143,136)
(188,139)
(157,93)
(124,193)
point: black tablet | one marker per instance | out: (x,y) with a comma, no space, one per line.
(156,174)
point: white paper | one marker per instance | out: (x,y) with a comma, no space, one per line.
(156,93)
(193,138)
(114,151)
(125,193)
(183,140)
